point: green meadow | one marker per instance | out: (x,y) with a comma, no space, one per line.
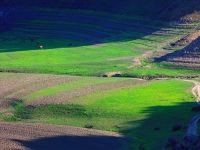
(86,45)
(135,111)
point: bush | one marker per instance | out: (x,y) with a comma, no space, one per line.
(21,111)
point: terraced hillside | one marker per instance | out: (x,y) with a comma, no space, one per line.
(87,43)
(95,42)
(82,26)
(37,90)
(187,57)
(162,9)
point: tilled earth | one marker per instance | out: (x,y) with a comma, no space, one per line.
(20,136)
(15,87)
(70,96)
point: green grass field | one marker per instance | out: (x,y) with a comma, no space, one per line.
(85,47)
(134,111)
(87,43)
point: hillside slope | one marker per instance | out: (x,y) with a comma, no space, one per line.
(165,9)
(90,42)
(188,57)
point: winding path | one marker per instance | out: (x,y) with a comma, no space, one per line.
(192,130)
(196,91)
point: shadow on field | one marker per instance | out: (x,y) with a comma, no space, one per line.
(162,123)
(151,8)
(85,27)
(74,143)
(189,54)
(33,27)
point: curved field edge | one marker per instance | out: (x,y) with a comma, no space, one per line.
(25,136)
(66,55)
(128,110)
(66,87)
(47,89)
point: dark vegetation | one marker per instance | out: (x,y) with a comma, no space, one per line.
(85,28)
(170,128)
(166,9)
(74,143)
(35,28)
(12,11)
(186,143)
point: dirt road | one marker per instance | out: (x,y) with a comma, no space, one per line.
(52,137)
(192,130)
(196,92)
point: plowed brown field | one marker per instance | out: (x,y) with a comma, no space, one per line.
(51,137)
(14,87)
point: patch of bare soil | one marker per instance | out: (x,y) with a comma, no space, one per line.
(112,74)
(193,125)
(15,88)
(196,92)
(11,83)
(15,84)
(29,88)
(137,61)
(69,96)
(50,137)
(7,103)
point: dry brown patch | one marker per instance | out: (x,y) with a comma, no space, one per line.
(112,74)
(137,61)
(15,88)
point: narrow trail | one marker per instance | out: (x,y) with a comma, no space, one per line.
(192,130)
(196,92)
(137,60)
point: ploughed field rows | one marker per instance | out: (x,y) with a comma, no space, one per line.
(125,109)
(51,89)
(15,85)
(51,137)
(123,105)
